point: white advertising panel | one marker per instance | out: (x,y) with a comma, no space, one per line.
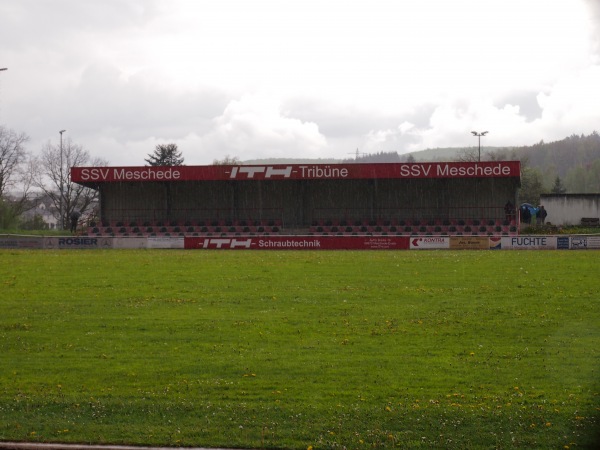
(130,242)
(429,242)
(11,241)
(529,243)
(77,242)
(165,242)
(585,242)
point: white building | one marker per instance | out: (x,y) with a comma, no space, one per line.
(569,209)
(43,211)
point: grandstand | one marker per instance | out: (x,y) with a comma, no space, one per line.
(450,198)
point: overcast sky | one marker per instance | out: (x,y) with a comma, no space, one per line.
(306,78)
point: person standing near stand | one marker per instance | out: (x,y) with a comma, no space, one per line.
(509,211)
(525,215)
(541,215)
(75,215)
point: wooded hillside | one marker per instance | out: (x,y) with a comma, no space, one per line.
(571,165)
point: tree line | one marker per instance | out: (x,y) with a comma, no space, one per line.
(570,165)
(27,179)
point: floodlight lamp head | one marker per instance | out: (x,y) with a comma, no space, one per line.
(62,131)
(474,133)
(484,133)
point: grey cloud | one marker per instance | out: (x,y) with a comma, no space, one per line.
(78,65)
(525,100)
(32,22)
(353,127)
(594,7)
(254,126)
(333,120)
(115,116)
(337,120)
(133,110)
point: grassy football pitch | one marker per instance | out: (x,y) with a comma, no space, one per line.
(301,349)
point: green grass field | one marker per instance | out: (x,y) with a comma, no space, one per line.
(251,349)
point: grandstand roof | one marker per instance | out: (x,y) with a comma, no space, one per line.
(93,176)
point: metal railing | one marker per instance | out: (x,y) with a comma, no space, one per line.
(398,215)
(141,216)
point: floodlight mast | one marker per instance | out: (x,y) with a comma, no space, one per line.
(3,68)
(478,134)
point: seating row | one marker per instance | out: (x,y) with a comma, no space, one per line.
(486,232)
(413,222)
(437,229)
(218,228)
(348,231)
(185,223)
(176,230)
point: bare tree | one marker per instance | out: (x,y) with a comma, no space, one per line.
(52,174)
(467,155)
(227,161)
(14,184)
(12,156)
(24,198)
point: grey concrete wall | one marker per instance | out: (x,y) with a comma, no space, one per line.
(569,209)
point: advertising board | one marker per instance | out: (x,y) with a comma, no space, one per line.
(469,243)
(429,242)
(495,242)
(585,242)
(563,242)
(299,243)
(130,242)
(165,242)
(11,241)
(534,242)
(529,243)
(77,242)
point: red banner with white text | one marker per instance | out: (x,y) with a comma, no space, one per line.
(298,243)
(485,169)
